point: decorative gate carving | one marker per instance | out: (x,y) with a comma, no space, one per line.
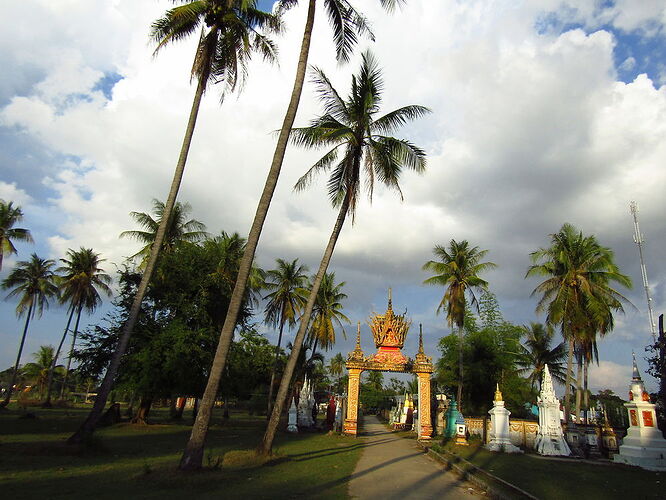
(389,331)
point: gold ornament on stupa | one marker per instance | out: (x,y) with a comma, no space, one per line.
(498,394)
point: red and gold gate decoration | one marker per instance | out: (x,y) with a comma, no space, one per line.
(389,331)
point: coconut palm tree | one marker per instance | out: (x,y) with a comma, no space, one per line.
(33,282)
(347,24)
(537,351)
(82,279)
(457,268)
(39,371)
(178,229)
(9,216)
(230,34)
(355,134)
(577,294)
(336,366)
(287,285)
(327,314)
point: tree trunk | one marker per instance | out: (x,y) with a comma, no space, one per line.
(460,366)
(88,426)
(71,352)
(266,446)
(141,416)
(193,454)
(275,365)
(10,389)
(579,389)
(47,403)
(567,386)
(586,396)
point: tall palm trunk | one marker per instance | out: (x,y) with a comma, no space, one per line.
(460,366)
(567,386)
(266,445)
(47,403)
(71,352)
(10,389)
(579,389)
(586,395)
(89,425)
(193,454)
(275,365)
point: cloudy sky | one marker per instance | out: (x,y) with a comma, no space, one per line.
(543,113)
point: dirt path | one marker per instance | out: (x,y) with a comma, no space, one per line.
(392,467)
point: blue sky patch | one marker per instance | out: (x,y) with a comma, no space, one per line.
(106,84)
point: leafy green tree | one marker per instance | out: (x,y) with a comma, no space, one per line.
(33,282)
(287,286)
(355,135)
(231,32)
(457,268)
(577,294)
(537,351)
(346,24)
(375,379)
(9,217)
(327,314)
(178,229)
(81,281)
(38,372)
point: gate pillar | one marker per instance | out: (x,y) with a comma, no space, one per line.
(351,422)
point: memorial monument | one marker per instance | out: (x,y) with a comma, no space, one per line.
(550,438)
(644,445)
(499,434)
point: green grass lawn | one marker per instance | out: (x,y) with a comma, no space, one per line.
(130,461)
(558,479)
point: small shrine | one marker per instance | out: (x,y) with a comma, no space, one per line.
(550,438)
(499,435)
(389,331)
(306,403)
(644,445)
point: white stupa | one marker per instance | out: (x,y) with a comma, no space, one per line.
(305,405)
(644,445)
(291,425)
(550,438)
(499,434)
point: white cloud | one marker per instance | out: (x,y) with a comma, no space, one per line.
(529,130)
(10,192)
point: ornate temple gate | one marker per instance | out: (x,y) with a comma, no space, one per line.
(389,331)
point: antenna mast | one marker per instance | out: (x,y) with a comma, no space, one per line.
(638,239)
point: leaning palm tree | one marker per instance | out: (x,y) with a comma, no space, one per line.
(347,24)
(9,216)
(354,133)
(81,281)
(33,282)
(230,34)
(287,286)
(178,229)
(457,268)
(577,294)
(537,351)
(327,314)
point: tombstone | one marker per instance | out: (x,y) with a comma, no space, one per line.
(608,437)
(291,426)
(550,438)
(338,414)
(461,430)
(451,416)
(644,445)
(499,435)
(440,414)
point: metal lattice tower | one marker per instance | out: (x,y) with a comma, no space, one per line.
(638,239)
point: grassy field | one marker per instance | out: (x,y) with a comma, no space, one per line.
(130,461)
(560,479)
